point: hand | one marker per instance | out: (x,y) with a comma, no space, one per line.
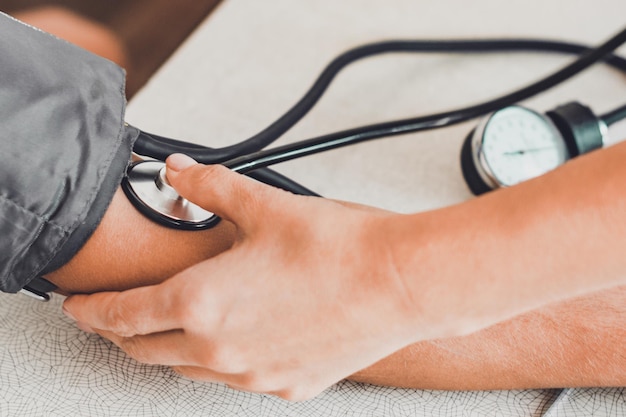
(306,296)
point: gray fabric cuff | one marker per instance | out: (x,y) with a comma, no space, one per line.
(64,148)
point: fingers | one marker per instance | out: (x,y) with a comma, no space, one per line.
(203,374)
(249,382)
(177,349)
(155,349)
(217,189)
(138,311)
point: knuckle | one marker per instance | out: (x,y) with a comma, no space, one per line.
(199,177)
(256,382)
(194,315)
(119,320)
(190,300)
(189,372)
(135,349)
(254,201)
(209,360)
(217,358)
(187,313)
(210,173)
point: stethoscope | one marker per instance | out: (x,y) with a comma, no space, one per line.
(511,144)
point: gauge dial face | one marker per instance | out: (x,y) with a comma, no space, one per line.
(519,144)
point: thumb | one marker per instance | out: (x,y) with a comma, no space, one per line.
(231,196)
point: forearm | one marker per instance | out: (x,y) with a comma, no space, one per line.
(514,250)
(127,250)
(567,234)
(574,343)
(383,282)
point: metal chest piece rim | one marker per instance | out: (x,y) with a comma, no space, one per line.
(146,186)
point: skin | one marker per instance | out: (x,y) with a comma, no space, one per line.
(109,259)
(362,294)
(576,342)
(79,30)
(569,344)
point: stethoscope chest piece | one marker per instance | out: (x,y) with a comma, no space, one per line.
(146,186)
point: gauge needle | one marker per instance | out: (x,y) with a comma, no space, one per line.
(523,151)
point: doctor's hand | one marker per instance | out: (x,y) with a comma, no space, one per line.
(306,296)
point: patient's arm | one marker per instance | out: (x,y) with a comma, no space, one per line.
(579,342)
(575,343)
(127,250)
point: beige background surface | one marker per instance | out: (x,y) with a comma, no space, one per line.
(252,60)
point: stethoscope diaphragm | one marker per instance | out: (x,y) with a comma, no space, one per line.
(148,189)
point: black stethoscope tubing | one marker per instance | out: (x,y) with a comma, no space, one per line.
(247,157)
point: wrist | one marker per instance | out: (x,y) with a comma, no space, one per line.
(451,262)
(420,261)
(486,260)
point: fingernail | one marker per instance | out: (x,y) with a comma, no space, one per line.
(84,327)
(179,162)
(68,314)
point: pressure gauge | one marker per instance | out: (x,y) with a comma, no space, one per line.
(515,144)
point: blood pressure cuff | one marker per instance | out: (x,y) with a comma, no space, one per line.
(64,147)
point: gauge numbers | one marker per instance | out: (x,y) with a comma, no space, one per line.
(519,144)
